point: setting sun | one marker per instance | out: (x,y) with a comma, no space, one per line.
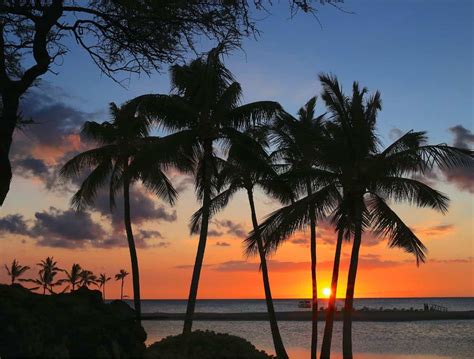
(327,292)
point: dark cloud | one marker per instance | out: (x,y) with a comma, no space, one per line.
(300,241)
(183,182)
(68,229)
(434,231)
(466,260)
(14,224)
(142,206)
(232,228)
(463,178)
(222,244)
(31,166)
(463,137)
(143,239)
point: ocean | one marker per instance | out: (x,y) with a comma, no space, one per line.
(371,340)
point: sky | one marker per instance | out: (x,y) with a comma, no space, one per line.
(418,54)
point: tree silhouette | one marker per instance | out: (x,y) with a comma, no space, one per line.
(120,142)
(46,276)
(16,270)
(73,277)
(87,278)
(121,276)
(204,107)
(101,281)
(249,166)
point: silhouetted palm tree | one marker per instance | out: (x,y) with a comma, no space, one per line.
(73,276)
(370,177)
(101,281)
(204,108)
(249,166)
(46,276)
(297,143)
(120,142)
(16,270)
(87,278)
(121,276)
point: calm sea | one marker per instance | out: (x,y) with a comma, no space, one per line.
(391,340)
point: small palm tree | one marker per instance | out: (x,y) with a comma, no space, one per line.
(121,276)
(100,282)
(87,278)
(46,276)
(205,108)
(73,277)
(120,142)
(16,270)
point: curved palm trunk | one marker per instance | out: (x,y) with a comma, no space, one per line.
(121,290)
(188,320)
(277,341)
(348,305)
(131,246)
(326,346)
(314,281)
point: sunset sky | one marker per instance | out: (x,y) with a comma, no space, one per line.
(419,54)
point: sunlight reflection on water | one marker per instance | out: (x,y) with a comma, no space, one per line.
(395,340)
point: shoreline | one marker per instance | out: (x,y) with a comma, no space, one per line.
(357,316)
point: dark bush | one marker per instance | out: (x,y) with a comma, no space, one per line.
(77,324)
(204,345)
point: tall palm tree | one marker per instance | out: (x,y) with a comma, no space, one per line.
(16,270)
(121,276)
(121,142)
(73,276)
(46,276)
(205,108)
(297,143)
(371,177)
(101,281)
(249,166)
(87,278)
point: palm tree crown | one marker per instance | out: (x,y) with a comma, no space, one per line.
(16,270)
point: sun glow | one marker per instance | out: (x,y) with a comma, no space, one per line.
(327,292)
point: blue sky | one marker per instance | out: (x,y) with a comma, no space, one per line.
(418,53)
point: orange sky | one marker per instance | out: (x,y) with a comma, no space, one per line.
(166,269)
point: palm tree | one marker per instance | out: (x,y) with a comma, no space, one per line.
(371,177)
(73,276)
(297,143)
(87,278)
(16,270)
(121,142)
(205,108)
(249,166)
(46,276)
(100,282)
(121,276)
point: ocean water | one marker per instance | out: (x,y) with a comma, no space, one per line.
(371,340)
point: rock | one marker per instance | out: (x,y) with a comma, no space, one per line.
(77,324)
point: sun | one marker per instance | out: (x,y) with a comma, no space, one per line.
(327,292)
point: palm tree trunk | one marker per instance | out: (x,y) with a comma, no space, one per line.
(348,305)
(103,291)
(314,281)
(326,346)
(121,290)
(188,320)
(277,341)
(131,246)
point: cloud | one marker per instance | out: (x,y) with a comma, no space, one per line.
(67,229)
(463,178)
(463,138)
(143,239)
(435,231)
(453,260)
(14,224)
(183,182)
(214,233)
(300,241)
(395,133)
(142,206)
(222,244)
(232,228)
